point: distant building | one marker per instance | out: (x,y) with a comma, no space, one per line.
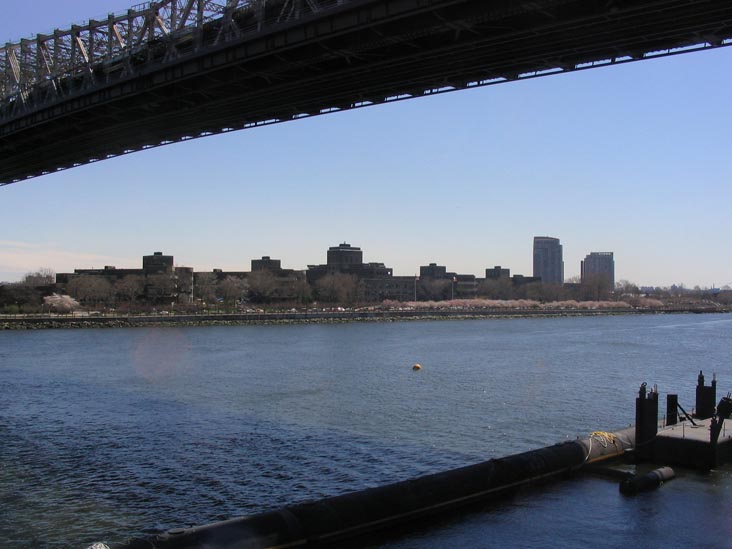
(436,282)
(266,264)
(466,286)
(347,259)
(345,256)
(396,288)
(548,261)
(163,282)
(157,263)
(598,264)
(521,280)
(497,272)
(433,270)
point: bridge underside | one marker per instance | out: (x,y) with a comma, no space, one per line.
(358,53)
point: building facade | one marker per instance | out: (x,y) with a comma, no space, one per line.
(548,260)
(348,260)
(598,265)
(497,272)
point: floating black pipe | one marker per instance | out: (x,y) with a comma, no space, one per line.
(335,519)
(633,484)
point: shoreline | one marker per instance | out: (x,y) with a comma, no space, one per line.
(43,322)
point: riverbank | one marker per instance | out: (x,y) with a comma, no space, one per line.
(40,322)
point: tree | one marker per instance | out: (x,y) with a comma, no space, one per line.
(42,277)
(262,286)
(130,287)
(499,288)
(337,288)
(434,289)
(231,289)
(13,297)
(596,287)
(90,288)
(534,291)
(160,287)
(625,287)
(61,303)
(302,291)
(205,287)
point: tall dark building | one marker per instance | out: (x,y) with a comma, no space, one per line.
(157,263)
(497,272)
(599,264)
(344,255)
(347,259)
(266,264)
(433,270)
(548,262)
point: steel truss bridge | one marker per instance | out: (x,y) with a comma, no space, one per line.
(173,70)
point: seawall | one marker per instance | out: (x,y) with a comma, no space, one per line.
(31,322)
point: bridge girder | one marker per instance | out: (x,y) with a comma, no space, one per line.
(301,58)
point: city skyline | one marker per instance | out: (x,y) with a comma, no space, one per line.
(630,158)
(349,253)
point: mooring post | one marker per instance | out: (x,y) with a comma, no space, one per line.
(706,397)
(646,421)
(724,411)
(672,413)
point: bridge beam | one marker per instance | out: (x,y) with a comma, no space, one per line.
(253,62)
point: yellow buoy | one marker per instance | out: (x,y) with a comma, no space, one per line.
(417,367)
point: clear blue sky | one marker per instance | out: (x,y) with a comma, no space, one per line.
(633,159)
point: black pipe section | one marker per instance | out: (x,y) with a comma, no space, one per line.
(633,484)
(335,519)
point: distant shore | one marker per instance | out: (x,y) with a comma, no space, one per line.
(40,322)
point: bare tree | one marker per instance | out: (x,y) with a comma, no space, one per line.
(625,287)
(230,290)
(205,287)
(302,291)
(42,277)
(14,297)
(434,289)
(160,287)
(130,287)
(533,291)
(551,292)
(262,286)
(499,288)
(596,287)
(337,288)
(90,289)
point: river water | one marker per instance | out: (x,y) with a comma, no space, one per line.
(107,434)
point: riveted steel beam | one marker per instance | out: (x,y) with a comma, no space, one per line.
(180,69)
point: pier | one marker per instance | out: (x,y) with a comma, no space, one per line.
(702,440)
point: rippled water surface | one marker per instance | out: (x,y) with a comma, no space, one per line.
(108,434)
